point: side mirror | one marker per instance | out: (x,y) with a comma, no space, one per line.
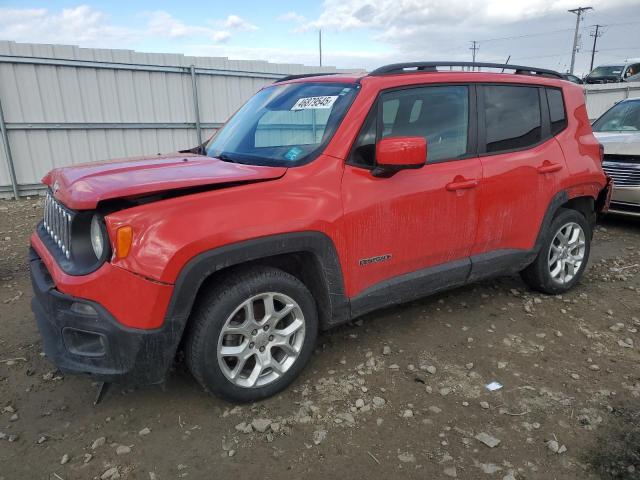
(399,153)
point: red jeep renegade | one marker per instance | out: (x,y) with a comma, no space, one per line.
(323,198)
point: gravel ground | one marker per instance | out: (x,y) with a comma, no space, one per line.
(397,394)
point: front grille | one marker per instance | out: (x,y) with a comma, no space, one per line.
(57,223)
(624,169)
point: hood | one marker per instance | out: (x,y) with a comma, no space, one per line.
(619,143)
(82,187)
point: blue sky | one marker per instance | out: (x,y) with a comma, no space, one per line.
(356,33)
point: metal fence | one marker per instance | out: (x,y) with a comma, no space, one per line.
(61,105)
(600,98)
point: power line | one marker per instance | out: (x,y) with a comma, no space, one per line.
(631,47)
(579,12)
(551,32)
(540,56)
(525,36)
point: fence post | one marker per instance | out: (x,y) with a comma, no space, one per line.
(7,152)
(196,104)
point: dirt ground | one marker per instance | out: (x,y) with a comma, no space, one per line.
(398,394)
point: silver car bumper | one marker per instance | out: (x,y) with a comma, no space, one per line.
(625,198)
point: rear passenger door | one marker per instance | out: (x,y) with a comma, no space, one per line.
(521,163)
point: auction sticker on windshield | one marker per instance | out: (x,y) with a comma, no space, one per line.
(306,103)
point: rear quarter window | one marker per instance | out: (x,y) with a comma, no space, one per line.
(557,114)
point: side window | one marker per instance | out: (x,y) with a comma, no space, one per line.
(512,117)
(557,115)
(440,114)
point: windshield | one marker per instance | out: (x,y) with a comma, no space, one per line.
(283,125)
(607,71)
(624,117)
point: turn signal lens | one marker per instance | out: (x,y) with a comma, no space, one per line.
(124,238)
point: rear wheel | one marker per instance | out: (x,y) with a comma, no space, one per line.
(563,256)
(252,335)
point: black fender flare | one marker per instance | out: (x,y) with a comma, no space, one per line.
(203,265)
(556,202)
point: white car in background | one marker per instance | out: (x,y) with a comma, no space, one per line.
(618,130)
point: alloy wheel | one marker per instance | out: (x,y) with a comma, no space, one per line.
(566,253)
(261,340)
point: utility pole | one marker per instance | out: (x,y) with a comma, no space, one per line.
(595,36)
(474,48)
(579,13)
(320,44)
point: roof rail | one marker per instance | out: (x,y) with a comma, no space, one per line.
(413,67)
(303,75)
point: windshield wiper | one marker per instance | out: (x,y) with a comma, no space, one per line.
(225,158)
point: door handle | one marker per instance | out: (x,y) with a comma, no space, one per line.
(548,167)
(461,184)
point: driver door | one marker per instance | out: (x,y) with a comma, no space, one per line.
(418,225)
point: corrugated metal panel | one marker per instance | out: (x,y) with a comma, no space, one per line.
(602,97)
(72,94)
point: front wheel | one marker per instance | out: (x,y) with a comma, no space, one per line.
(252,335)
(563,255)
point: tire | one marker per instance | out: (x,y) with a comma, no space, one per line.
(225,364)
(540,274)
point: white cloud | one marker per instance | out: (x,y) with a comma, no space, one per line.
(81,24)
(86,26)
(292,17)
(234,22)
(164,24)
(220,36)
(351,14)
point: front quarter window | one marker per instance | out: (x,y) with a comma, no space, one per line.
(284,125)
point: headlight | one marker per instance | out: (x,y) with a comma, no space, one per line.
(97,238)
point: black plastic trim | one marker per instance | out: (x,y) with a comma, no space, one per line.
(74,266)
(411,286)
(556,202)
(499,262)
(205,264)
(545,118)
(304,75)
(131,355)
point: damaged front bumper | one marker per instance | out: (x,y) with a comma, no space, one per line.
(81,336)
